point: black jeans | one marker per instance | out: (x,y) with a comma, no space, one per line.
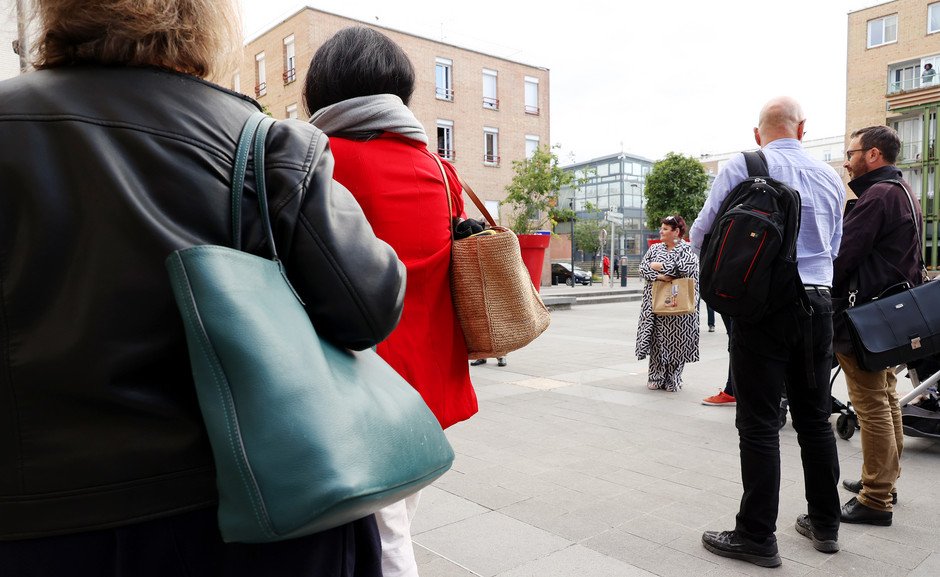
(766,359)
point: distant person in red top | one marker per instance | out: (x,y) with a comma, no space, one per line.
(606,266)
(358,88)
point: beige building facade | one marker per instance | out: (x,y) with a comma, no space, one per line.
(893,51)
(481,112)
(10,33)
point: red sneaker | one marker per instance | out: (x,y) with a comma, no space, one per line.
(722,398)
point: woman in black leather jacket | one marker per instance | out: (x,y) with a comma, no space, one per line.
(116,153)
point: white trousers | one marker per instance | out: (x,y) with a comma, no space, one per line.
(398,555)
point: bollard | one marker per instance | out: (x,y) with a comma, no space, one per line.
(623,272)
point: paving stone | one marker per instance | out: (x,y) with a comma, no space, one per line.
(603,477)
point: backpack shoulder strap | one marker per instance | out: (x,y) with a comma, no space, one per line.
(756,163)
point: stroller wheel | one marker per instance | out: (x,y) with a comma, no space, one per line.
(845,427)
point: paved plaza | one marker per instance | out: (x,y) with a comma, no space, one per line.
(572,468)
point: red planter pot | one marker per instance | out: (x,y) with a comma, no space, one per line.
(533,254)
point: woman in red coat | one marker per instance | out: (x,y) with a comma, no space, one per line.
(358,87)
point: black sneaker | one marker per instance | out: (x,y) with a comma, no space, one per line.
(730,544)
(477,362)
(856,487)
(824,543)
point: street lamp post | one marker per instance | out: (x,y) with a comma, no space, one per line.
(621,210)
(571,205)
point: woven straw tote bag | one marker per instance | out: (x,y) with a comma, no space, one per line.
(497,305)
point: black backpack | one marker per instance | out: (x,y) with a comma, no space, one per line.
(748,259)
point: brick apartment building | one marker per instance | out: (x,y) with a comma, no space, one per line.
(889,46)
(485,111)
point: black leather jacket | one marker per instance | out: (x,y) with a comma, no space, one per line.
(104,172)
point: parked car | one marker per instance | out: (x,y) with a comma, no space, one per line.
(561,272)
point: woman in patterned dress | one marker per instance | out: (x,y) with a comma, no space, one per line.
(670,341)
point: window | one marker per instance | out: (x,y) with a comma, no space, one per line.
(929,78)
(291,111)
(444,80)
(531,95)
(883,31)
(531,145)
(491,146)
(904,77)
(260,85)
(445,139)
(290,61)
(489,90)
(911,131)
(933,18)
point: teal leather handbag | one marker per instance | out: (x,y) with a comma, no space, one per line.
(306,436)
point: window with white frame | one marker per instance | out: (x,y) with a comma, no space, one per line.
(490,146)
(490,100)
(904,76)
(444,78)
(883,31)
(291,111)
(445,139)
(931,77)
(531,95)
(290,60)
(531,144)
(933,18)
(260,72)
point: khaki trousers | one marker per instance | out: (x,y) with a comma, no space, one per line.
(875,401)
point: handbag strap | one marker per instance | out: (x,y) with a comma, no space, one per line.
(450,201)
(466,188)
(853,280)
(252,137)
(920,245)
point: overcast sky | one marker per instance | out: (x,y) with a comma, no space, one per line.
(668,75)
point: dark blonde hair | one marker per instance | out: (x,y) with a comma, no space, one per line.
(200,37)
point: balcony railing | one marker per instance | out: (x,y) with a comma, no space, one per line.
(445,93)
(491,103)
(261,89)
(290,75)
(446,153)
(491,159)
(913,84)
(529,109)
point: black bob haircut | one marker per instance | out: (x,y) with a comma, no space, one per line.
(357,61)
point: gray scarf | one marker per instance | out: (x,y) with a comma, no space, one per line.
(365,117)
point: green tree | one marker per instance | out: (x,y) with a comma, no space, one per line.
(675,185)
(587,235)
(533,193)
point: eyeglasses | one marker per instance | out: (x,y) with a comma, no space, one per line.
(849,153)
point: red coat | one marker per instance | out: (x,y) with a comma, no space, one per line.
(401,191)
